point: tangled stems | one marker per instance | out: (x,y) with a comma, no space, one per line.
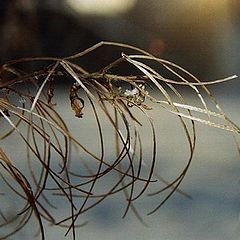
(29,115)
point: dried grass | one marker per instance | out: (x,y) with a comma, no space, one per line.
(44,134)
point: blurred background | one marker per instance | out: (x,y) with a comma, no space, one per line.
(201,35)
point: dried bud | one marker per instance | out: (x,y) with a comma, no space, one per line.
(77,103)
(50,93)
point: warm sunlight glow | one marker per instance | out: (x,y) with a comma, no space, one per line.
(209,4)
(101,7)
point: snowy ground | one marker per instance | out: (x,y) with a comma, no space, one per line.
(212,181)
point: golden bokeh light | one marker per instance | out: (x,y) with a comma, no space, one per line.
(101,7)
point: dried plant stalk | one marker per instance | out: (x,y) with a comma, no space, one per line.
(31,116)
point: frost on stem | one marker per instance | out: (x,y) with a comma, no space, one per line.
(136,95)
(117,100)
(131,93)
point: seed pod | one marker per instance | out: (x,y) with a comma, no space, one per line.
(50,93)
(77,103)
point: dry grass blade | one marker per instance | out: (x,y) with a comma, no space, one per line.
(24,184)
(118,103)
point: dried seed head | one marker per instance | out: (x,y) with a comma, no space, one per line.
(77,103)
